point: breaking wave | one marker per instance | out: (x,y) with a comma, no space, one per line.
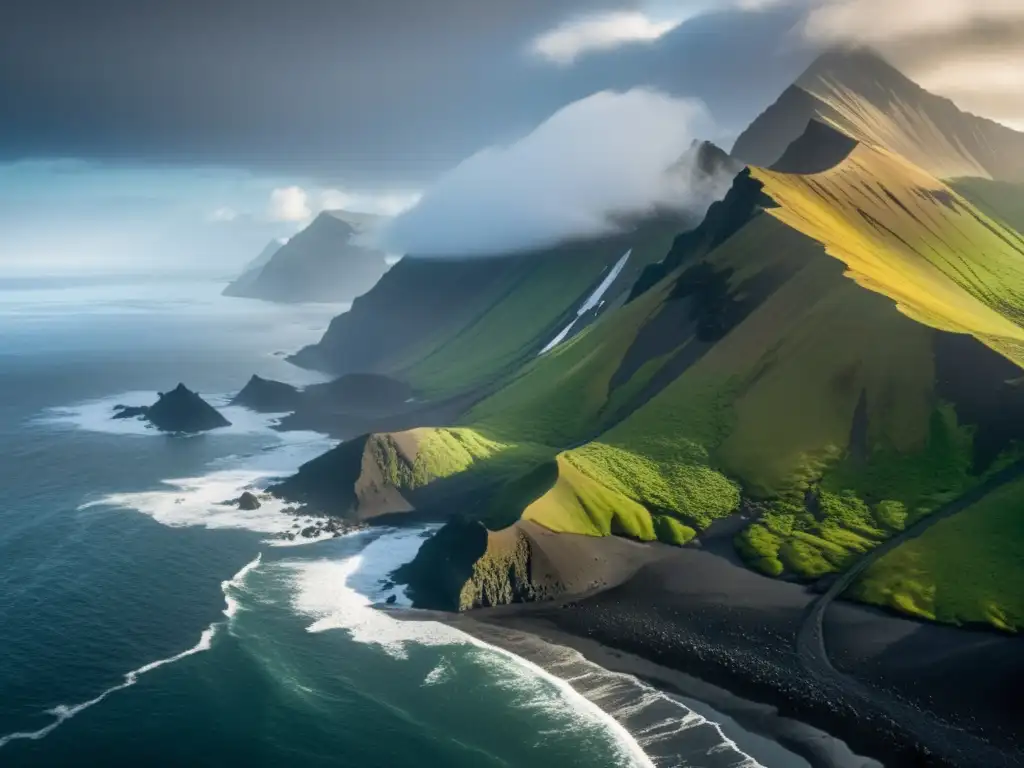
(649,728)
(61,713)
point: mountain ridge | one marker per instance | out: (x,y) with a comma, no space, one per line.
(861,94)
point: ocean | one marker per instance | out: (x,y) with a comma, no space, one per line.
(143,623)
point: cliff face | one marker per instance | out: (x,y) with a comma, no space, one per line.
(320,263)
(465,566)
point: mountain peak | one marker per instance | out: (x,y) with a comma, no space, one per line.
(851,61)
(858,92)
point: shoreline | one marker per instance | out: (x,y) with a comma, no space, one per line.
(696,625)
(766,733)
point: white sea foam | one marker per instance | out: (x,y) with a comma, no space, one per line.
(340,594)
(235,583)
(64,712)
(596,299)
(97,416)
(438,674)
(199,501)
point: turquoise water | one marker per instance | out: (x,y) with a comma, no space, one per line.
(143,625)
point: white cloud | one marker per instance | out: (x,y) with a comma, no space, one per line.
(223,214)
(289,204)
(382,204)
(297,204)
(571,39)
(876,21)
(573,175)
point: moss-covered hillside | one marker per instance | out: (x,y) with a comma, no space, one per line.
(839,354)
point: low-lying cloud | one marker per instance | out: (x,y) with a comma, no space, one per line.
(289,204)
(577,174)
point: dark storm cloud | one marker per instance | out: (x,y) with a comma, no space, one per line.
(365,91)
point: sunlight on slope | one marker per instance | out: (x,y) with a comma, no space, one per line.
(998,199)
(964,570)
(906,235)
(901,128)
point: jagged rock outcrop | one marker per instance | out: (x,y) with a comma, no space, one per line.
(180,410)
(724,219)
(248,502)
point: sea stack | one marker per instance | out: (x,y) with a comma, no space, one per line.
(180,410)
(248,502)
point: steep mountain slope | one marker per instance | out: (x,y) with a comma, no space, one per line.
(448,325)
(320,263)
(866,98)
(908,236)
(815,386)
(999,199)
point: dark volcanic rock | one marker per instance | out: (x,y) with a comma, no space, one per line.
(356,391)
(268,396)
(444,564)
(818,149)
(130,411)
(392,599)
(724,218)
(248,502)
(180,410)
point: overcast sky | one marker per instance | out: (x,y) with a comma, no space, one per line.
(365,102)
(354,91)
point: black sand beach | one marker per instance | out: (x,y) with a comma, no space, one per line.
(701,626)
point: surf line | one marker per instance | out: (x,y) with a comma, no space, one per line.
(64,712)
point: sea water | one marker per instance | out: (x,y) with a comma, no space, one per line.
(144,623)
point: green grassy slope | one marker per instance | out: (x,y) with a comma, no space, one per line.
(517,324)
(450,325)
(999,200)
(907,236)
(823,402)
(964,570)
(798,358)
(534,306)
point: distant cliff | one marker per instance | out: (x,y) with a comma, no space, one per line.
(320,263)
